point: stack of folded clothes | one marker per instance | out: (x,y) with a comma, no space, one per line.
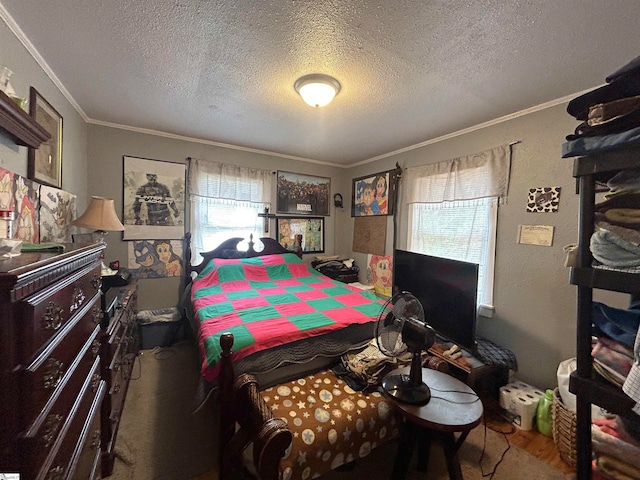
(610,120)
(616,451)
(609,115)
(615,242)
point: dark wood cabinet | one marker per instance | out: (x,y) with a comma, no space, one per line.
(119,349)
(51,387)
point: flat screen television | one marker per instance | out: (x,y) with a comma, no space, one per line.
(447,290)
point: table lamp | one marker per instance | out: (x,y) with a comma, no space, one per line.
(101,217)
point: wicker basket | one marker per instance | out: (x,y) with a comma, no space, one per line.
(564,429)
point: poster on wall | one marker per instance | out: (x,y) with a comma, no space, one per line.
(310,228)
(57,210)
(374,194)
(380,273)
(22,197)
(154,199)
(303,194)
(155,258)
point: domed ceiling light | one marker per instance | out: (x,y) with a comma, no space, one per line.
(317,89)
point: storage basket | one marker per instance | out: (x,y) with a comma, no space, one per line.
(564,429)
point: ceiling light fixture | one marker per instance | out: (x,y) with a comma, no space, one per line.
(317,89)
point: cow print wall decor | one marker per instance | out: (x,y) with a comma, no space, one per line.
(543,200)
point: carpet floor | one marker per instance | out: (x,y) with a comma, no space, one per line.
(161,438)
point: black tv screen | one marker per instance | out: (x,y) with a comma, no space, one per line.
(447,290)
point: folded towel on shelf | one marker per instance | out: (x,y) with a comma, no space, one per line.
(611,467)
(618,324)
(604,443)
(610,249)
(624,181)
(630,235)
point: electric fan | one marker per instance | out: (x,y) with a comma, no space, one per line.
(400,327)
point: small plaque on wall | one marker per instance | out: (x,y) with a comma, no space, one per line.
(536,235)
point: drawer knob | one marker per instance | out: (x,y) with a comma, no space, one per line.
(95,440)
(95,382)
(51,426)
(95,347)
(56,473)
(116,365)
(96,313)
(96,282)
(116,388)
(52,318)
(53,372)
(77,299)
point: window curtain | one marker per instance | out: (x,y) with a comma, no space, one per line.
(225,198)
(452,210)
(482,175)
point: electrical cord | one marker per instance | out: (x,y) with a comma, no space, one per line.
(492,473)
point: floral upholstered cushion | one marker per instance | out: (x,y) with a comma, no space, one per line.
(331,423)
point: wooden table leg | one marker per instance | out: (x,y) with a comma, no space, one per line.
(424,448)
(450,447)
(405,449)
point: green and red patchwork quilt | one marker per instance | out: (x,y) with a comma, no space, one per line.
(269,301)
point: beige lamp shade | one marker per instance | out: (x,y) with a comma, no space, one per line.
(100,215)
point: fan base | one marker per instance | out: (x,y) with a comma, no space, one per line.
(402,389)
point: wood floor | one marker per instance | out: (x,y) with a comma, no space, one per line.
(531,441)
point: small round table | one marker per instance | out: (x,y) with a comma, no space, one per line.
(453,408)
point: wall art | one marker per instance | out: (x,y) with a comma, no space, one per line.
(21,196)
(155,258)
(45,162)
(303,194)
(380,273)
(374,194)
(57,210)
(543,199)
(154,199)
(311,229)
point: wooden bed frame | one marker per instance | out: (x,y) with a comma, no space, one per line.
(239,398)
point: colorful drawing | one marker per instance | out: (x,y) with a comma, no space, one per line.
(155,258)
(57,210)
(374,194)
(380,273)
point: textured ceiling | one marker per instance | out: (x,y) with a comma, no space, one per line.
(411,71)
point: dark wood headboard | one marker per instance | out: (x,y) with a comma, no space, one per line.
(229,249)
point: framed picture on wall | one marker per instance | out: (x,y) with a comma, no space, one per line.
(45,163)
(311,229)
(154,199)
(374,194)
(303,194)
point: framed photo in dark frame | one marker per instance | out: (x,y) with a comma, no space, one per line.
(311,229)
(45,163)
(303,194)
(374,194)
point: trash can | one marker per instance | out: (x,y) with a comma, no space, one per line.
(159,328)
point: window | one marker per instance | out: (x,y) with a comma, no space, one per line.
(460,230)
(225,202)
(453,212)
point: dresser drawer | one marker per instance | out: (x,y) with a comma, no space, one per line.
(48,312)
(82,428)
(85,462)
(39,440)
(74,348)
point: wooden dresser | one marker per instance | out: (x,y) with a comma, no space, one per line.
(119,349)
(51,387)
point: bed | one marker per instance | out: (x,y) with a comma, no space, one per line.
(265,324)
